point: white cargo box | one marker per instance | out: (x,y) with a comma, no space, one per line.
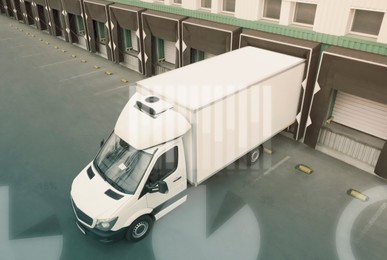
(234,102)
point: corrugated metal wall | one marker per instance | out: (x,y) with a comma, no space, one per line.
(349,146)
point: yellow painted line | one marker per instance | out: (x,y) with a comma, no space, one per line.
(357,195)
(97,67)
(108,73)
(124,80)
(267,150)
(303,168)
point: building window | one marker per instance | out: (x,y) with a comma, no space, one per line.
(177,2)
(304,13)
(79,25)
(228,6)
(100,35)
(367,22)
(272,9)
(126,40)
(158,48)
(196,55)
(206,4)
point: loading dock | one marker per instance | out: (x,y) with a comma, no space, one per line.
(57,20)
(203,39)
(16,8)
(162,41)
(308,50)
(7,6)
(2,10)
(98,27)
(359,75)
(127,36)
(41,16)
(75,23)
(28,13)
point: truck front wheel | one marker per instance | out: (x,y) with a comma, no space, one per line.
(253,156)
(139,228)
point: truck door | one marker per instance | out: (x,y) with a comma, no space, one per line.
(171,170)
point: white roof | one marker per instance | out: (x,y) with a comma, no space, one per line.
(202,83)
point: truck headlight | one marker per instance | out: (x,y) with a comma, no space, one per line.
(106,224)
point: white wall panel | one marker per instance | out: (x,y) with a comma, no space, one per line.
(190,4)
(332,17)
(248,9)
(383,30)
(286,12)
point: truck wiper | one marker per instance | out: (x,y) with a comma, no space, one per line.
(115,185)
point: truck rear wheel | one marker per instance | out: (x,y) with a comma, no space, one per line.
(253,156)
(139,228)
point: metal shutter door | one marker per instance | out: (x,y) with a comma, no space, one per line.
(361,114)
(170,52)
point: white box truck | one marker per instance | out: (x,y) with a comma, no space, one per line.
(184,126)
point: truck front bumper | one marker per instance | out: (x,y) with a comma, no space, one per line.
(102,236)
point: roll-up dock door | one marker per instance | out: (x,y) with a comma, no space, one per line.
(361,114)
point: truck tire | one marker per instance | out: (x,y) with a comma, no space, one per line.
(139,229)
(253,156)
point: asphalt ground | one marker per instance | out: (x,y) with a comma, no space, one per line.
(55,109)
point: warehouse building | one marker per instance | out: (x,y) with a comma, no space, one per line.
(343,105)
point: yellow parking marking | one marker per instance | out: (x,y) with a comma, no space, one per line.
(303,168)
(357,195)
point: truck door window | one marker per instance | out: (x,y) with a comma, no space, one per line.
(164,166)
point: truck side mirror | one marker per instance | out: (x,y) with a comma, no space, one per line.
(163,187)
(101,143)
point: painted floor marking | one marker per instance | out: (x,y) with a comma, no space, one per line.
(109,90)
(55,63)
(81,75)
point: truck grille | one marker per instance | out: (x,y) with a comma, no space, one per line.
(82,216)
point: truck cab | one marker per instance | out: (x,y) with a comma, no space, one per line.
(137,177)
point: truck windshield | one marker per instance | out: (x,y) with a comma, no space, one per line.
(122,165)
